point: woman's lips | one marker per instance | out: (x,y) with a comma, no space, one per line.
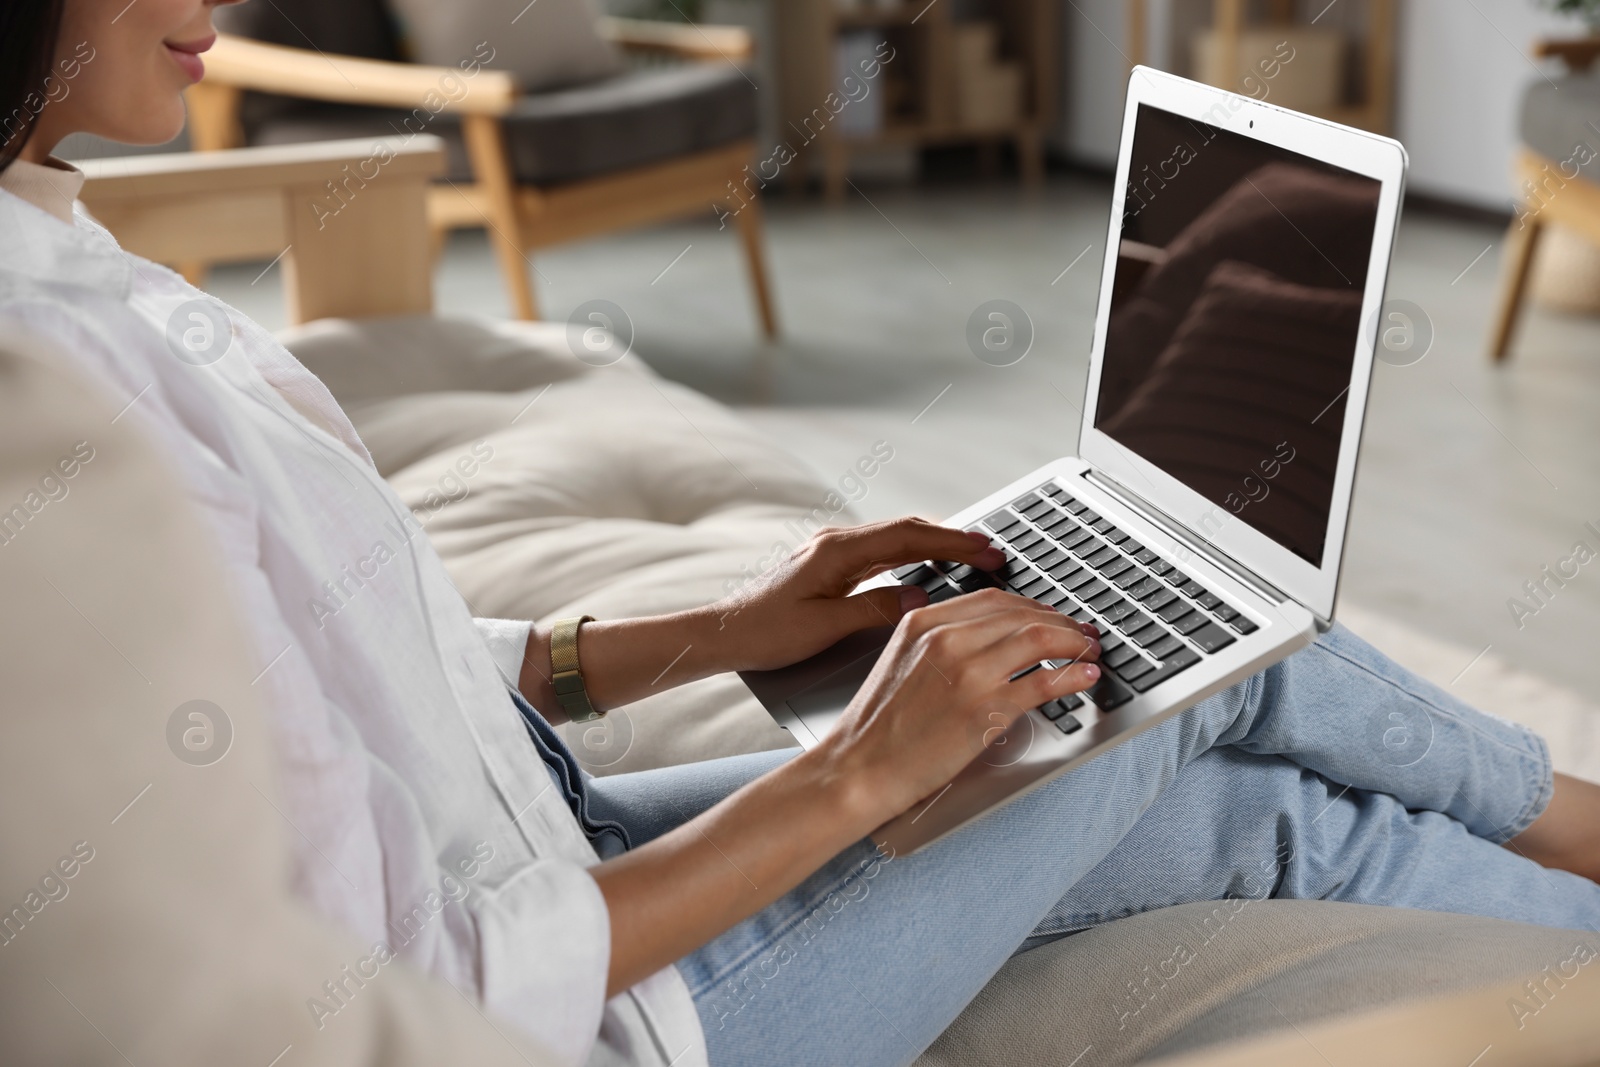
(187,55)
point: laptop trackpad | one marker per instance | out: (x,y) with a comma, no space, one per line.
(820,705)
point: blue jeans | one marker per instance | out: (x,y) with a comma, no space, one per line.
(1334,775)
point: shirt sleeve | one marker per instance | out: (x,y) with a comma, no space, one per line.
(508,644)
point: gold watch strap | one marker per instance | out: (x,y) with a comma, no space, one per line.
(565,673)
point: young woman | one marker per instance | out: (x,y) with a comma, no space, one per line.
(728,912)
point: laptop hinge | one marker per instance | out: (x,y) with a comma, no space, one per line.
(1200,547)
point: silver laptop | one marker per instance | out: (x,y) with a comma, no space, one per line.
(1200,525)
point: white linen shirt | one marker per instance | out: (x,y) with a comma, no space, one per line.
(406,771)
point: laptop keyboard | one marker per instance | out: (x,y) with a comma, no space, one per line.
(1155,621)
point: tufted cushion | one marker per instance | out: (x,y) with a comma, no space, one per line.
(607,491)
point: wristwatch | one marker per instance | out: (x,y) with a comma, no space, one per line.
(565,674)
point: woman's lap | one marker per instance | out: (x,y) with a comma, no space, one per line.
(873,956)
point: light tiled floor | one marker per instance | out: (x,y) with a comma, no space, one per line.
(1471,479)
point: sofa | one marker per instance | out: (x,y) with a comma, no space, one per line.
(611,491)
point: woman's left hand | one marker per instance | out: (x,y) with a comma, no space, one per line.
(795,610)
(805,604)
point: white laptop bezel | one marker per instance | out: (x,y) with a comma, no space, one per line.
(1367,154)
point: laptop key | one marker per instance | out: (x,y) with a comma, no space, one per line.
(1132,622)
(1227,612)
(1037,509)
(1039,549)
(1088,547)
(1078,579)
(1069,724)
(1150,637)
(1058,526)
(1057,708)
(1146,584)
(902,573)
(1106,601)
(1211,638)
(1176,578)
(1026,500)
(1158,566)
(1132,547)
(1136,667)
(1054,558)
(1088,518)
(1209,600)
(1192,588)
(1159,598)
(1110,692)
(1173,610)
(1102,557)
(1074,537)
(1164,647)
(1179,661)
(1190,622)
(1244,625)
(943,593)
(1118,656)
(1120,565)
(1082,615)
(1077,507)
(1034,587)
(1130,577)
(1088,592)
(1104,526)
(1115,536)
(1065,568)
(1052,597)
(1143,586)
(1025,540)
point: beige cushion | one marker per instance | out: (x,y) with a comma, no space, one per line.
(544,45)
(1188,977)
(609,491)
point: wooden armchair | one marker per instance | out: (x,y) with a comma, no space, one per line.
(262,203)
(1557,173)
(480,118)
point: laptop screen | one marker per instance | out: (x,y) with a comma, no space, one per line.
(1235,311)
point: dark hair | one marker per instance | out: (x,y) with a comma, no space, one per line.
(28,33)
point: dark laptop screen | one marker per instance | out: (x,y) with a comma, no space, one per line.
(1234,315)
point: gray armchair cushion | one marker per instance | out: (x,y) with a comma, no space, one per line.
(1182,978)
(1557,117)
(647,115)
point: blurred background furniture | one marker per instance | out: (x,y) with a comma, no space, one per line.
(1327,75)
(1557,172)
(261,204)
(987,75)
(596,151)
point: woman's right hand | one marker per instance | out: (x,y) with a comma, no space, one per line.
(942,690)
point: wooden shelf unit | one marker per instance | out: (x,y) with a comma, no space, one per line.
(1374,112)
(919,82)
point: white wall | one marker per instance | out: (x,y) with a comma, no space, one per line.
(1461,67)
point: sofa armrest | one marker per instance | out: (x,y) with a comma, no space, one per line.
(240,63)
(1578,53)
(694,42)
